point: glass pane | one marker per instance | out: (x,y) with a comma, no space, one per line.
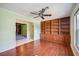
(77,31)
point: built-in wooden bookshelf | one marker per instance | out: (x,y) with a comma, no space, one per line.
(61,25)
(54,26)
(65,25)
(56,30)
(43,27)
(47,27)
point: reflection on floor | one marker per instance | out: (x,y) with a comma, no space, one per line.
(22,40)
(40,48)
(18,37)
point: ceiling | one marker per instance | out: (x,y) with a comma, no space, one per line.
(57,10)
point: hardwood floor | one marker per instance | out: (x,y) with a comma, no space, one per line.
(40,48)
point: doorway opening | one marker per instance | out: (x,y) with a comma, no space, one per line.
(21,33)
(24,32)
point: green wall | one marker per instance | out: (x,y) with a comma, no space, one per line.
(8,28)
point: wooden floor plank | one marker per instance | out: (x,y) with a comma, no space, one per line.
(39,48)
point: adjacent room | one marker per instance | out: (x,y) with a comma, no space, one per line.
(22,30)
(39,29)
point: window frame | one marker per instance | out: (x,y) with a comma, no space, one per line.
(76,29)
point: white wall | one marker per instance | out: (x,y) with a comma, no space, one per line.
(8,28)
(73,31)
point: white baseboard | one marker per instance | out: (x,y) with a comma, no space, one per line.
(24,43)
(14,46)
(7,49)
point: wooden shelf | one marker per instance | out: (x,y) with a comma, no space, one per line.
(61,25)
(65,25)
(57,30)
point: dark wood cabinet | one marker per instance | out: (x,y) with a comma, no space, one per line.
(18,28)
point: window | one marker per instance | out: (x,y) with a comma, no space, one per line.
(77,29)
